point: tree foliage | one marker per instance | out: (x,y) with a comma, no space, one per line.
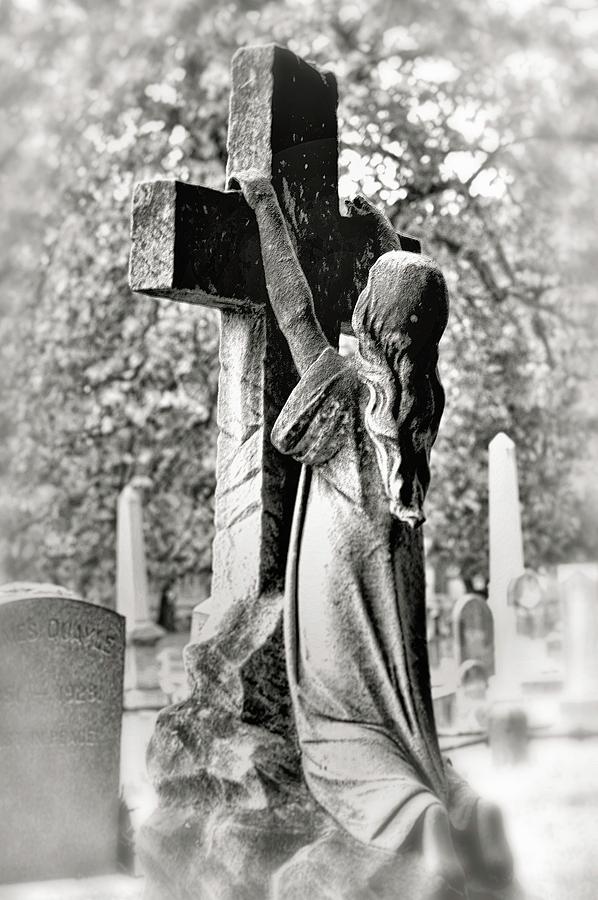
(474,125)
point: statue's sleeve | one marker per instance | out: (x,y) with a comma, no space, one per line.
(316,419)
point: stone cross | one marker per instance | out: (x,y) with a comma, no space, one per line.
(198,245)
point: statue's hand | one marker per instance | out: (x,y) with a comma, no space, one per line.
(361,206)
(254,185)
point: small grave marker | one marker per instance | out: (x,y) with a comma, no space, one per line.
(473,632)
(61,682)
(472,687)
(506,560)
(579,591)
(142,689)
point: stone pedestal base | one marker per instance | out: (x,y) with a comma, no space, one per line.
(144,699)
(336,867)
(580,715)
(507,734)
(226,858)
(259,857)
(100,887)
(232,804)
(142,686)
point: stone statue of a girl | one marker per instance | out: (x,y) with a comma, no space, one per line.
(355,626)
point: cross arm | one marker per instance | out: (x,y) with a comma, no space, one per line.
(195,245)
(359,245)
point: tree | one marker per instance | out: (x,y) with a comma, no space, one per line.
(471,124)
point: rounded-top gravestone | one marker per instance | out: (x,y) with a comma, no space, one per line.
(473,632)
(61,679)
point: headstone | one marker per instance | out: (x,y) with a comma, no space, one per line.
(473,637)
(539,671)
(554,644)
(507,722)
(579,591)
(508,734)
(445,703)
(433,633)
(172,675)
(189,592)
(478,583)
(61,683)
(473,632)
(506,560)
(471,697)
(526,591)
(455,586)
(142,688)
(439,613)
(444,627)
(526,594)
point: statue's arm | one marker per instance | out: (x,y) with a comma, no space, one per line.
(289,292)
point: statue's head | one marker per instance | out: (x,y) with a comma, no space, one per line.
(398,320)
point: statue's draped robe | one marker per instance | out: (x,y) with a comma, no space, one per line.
(355,621)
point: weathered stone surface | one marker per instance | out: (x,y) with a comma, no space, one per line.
(202,246)
(233,806)
(255,486)
(154,204)
(234,809)
(61,680)
(335,867)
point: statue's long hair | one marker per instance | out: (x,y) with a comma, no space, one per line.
(399,319)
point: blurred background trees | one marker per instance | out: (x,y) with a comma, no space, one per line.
(473,124)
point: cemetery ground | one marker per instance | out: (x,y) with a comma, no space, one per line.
(550,804)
